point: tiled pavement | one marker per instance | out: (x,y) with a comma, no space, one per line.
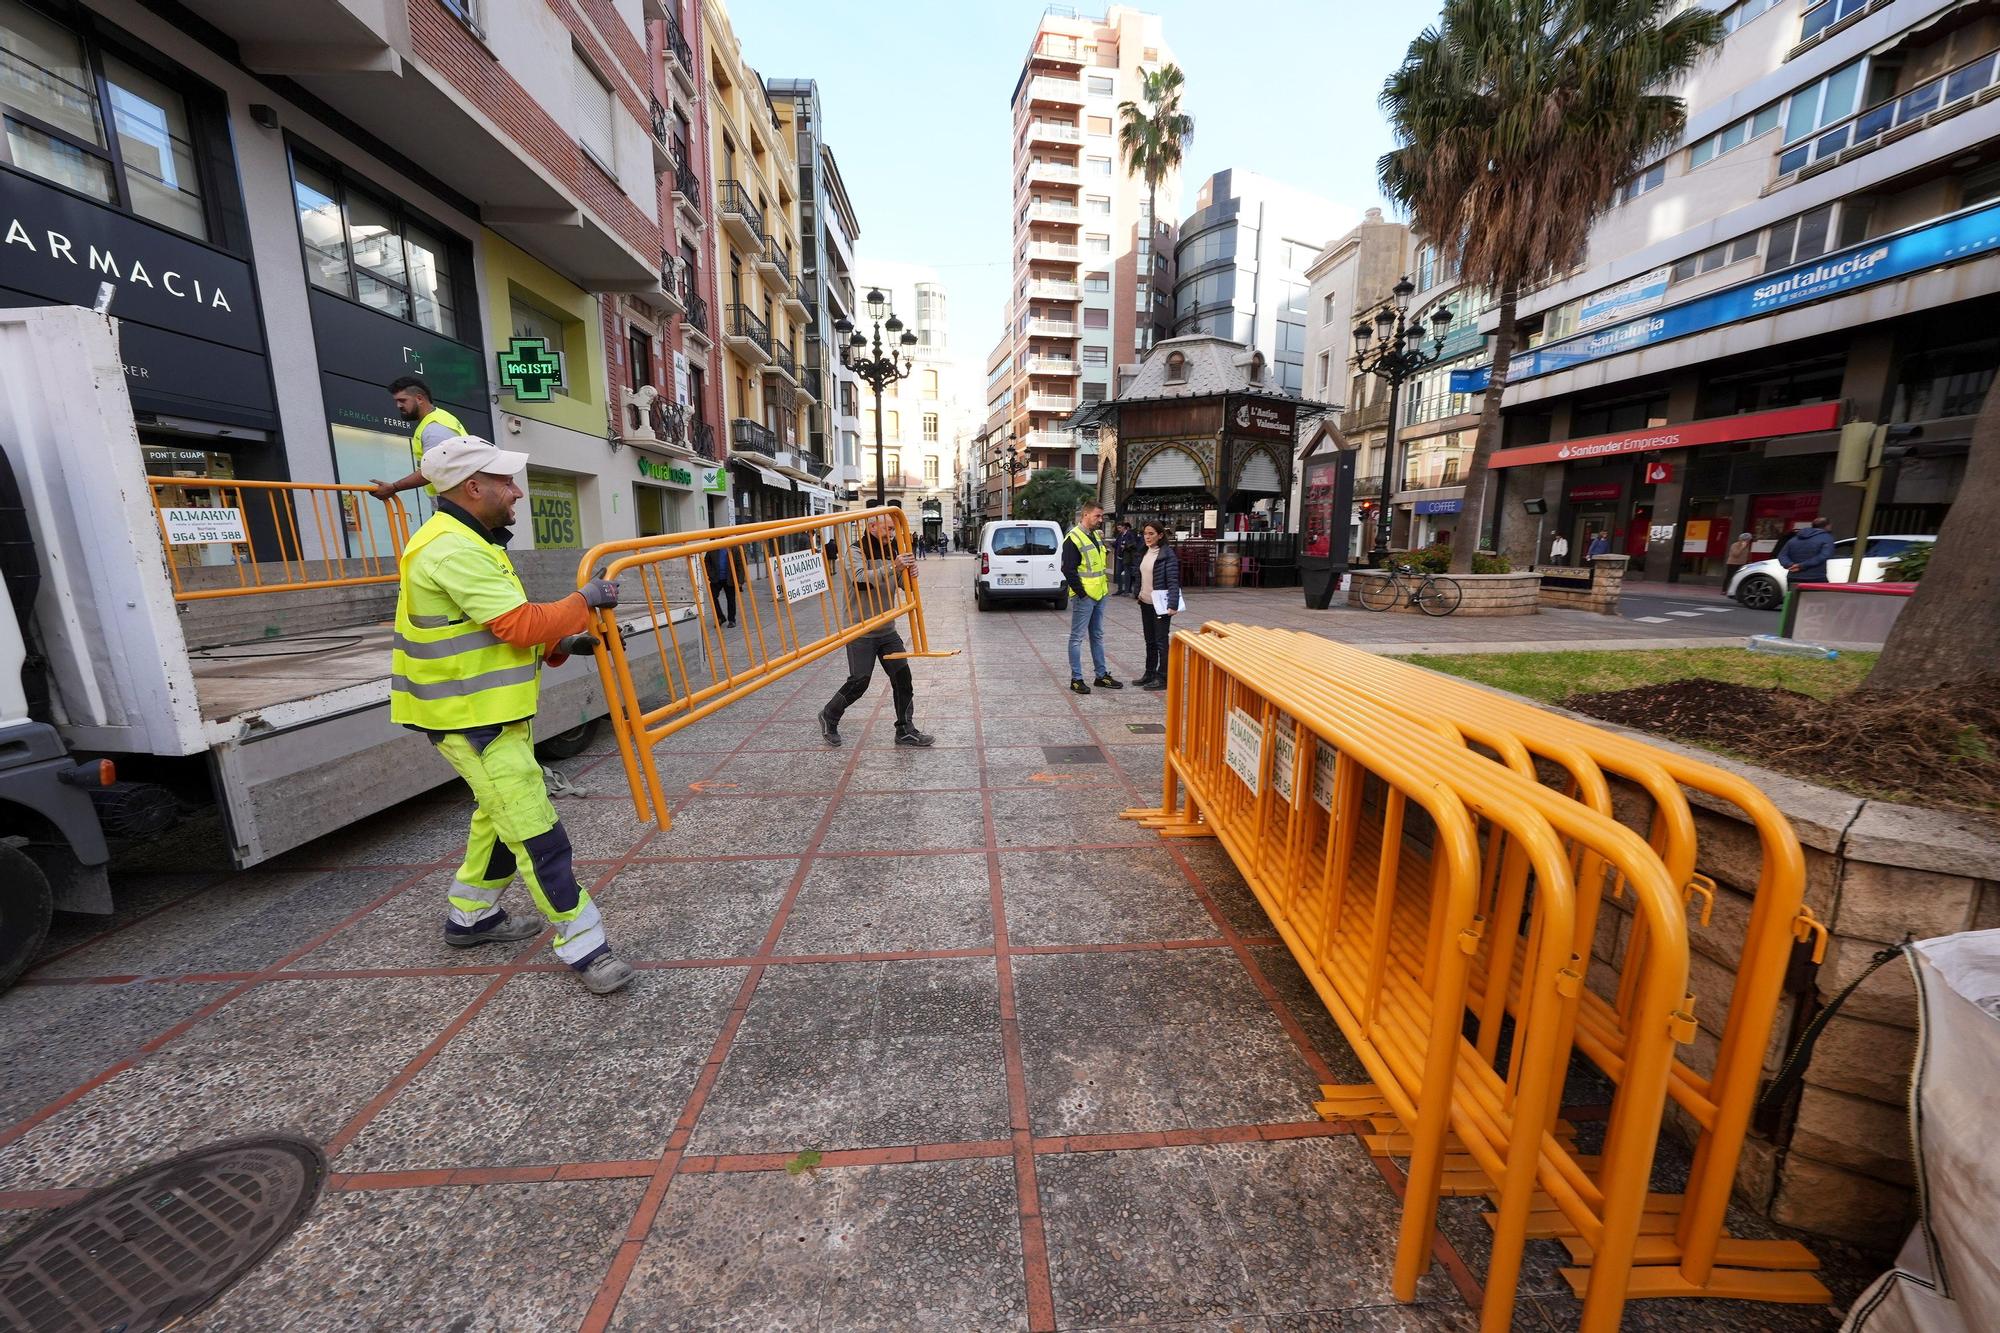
(1058,1074)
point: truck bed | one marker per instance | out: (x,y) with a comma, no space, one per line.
(235,679)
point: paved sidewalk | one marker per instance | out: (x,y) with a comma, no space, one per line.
(1058,1073)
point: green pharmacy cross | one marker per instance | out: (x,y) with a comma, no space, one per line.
(530,370)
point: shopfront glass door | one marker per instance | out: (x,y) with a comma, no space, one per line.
(361,456)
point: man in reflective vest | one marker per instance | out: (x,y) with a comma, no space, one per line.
(433,426)
(1083,566)
(469,649)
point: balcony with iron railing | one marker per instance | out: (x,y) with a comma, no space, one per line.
(1063,92)
(659,114)
(695,321)
(752,436)
(1366,417)
(1368,488)
(1047,131)
(682,65)
(812,385)
(748,336)
(1926,104)
(796,304)
(687,189)
(774,263)
(673,282)
(740,218)
(783,363)
(701,438)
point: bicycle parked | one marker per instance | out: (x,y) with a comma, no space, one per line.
(1432,594)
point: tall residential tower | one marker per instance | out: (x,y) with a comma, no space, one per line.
(1088,292)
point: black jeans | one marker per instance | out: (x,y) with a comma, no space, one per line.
(862,655)
(1159,628)
(721,593)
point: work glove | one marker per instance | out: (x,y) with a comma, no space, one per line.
(576,645)
(600,593)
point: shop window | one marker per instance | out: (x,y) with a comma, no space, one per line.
(128,140)
(360,245)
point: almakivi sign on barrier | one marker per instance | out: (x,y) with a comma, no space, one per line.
(804,573)
(1244,747)
(195,527)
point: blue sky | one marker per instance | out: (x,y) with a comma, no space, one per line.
(916,108)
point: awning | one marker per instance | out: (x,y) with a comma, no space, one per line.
(769,476)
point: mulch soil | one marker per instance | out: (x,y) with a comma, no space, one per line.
(1937,745)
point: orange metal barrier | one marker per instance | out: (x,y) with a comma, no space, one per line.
(358,545)
(808,605)
(1686,1239)
(1384,916)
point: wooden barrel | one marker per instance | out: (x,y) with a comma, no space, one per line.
(1228,566)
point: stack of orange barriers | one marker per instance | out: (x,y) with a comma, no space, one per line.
(1435,856)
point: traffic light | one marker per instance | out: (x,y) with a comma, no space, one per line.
(1890,443)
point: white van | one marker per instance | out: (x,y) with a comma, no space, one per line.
(1020,560)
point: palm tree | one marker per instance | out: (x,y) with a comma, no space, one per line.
(1152,137)
(1515,122)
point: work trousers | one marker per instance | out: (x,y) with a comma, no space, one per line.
(1159,628)
(720,593)
(515,829)
(1086,616)
(862,654)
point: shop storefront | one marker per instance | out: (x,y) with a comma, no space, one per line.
(673,494)
(1673,497)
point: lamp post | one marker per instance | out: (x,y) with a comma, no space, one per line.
(1399,355)
(1013,464)
(879,364)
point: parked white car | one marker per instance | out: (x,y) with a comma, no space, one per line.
(1761,586)
(1020,560)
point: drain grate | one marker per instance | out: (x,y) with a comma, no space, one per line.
(155,1247)
(1072,754)
(1146,728)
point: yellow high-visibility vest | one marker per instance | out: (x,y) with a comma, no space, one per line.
(448,671)
(1090,564)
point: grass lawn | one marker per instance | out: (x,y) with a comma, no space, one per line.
(1554,676)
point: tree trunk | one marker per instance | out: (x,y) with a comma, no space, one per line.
(1472,510)
(1951,628)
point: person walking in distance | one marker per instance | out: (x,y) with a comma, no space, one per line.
(721,585)
(433,427)
(1806,554)
(1083,566)
(1159,593)
(1739,556)
(1599,544)
(1126,546)
(877,567)
(466,671)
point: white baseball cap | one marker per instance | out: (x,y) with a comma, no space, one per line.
(450,463)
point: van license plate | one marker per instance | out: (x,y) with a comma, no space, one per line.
(1012,580)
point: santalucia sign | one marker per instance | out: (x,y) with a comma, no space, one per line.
(1949,240)
(58,248)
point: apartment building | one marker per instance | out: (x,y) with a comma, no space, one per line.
(1823,246)
(828,234)
(360,192)
(1090,288)
(1347,282)
(764,316)
(660,346)
(1240,262)
(926,416)
(996,433)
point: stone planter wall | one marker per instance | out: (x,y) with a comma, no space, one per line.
(1838,1163)
(1485,594)
(1602,594)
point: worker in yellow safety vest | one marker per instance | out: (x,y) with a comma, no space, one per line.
(466,670)
(433,425)
(1084,568)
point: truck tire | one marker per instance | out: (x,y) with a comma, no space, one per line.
(567,744)
(26,906)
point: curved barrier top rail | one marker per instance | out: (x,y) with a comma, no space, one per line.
(260,529)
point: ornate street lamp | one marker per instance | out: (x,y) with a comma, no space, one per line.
(1399,355)
(1013,463)
(880,364)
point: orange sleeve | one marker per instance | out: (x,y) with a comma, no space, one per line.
(533,623)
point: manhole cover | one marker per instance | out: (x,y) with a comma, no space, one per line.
(157,1246)
(1072,754)
(1146,728)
